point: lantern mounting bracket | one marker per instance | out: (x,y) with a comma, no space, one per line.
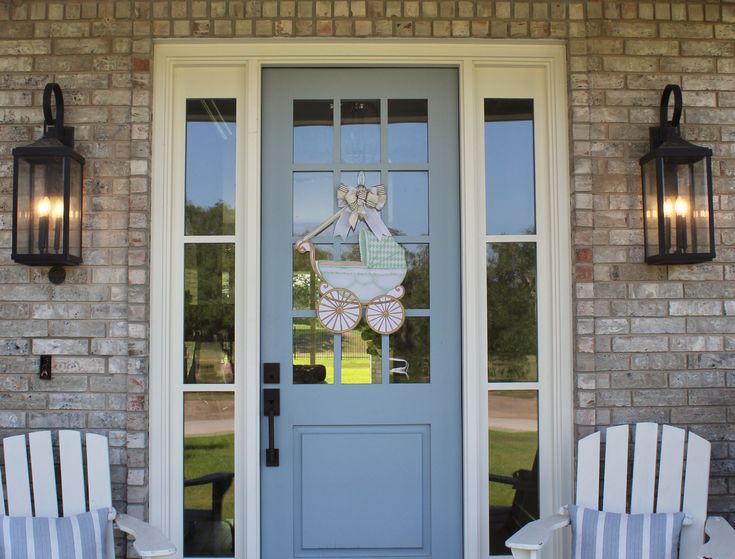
(54,127)
(667,129)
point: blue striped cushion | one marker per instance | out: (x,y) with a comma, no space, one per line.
(83,536)
(610,535)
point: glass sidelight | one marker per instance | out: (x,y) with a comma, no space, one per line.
(512,318)
(208,333)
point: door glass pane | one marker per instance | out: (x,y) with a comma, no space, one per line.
(209,471)
(509,167)
(361,358)
(360,131)
(410,352)
(511,312)
(416,281)
(513,459)
(407,209)
(314,200)
(313,352)
(210,167)
(209,313)
(305,281)
(313,129)
(407,130)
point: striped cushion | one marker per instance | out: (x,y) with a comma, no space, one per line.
(83,536)
(610,535)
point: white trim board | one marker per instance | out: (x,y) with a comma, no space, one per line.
(476,62)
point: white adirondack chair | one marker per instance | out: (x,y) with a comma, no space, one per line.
(149,542)
(528,541)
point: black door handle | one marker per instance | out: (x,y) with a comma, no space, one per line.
(271,408)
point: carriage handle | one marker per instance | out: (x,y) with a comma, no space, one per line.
(305,245)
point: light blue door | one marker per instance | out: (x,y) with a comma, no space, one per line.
(368,430)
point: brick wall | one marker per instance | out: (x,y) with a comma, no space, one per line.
(652,343)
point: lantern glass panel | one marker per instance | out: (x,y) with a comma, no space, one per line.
(23,228)
(43,190)
(75,208)
(651,207)
(700,211)
(686,209)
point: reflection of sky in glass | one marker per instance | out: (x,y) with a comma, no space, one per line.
(407,209)
(312,133)
(509,177)
(407,143)
(312,144)
(360,131)
(360,143)
(210,163)
(407,130)
(314,200)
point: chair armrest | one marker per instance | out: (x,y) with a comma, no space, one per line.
(534,535)
(149,541)
(721,539)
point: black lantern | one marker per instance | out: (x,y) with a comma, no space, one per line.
(47,195)
(678,222)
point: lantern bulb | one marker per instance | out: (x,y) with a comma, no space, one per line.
(681,206)
(668,207)
(44,207)
(59,209)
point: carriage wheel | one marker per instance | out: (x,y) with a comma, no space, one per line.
(338,310)
(385,314)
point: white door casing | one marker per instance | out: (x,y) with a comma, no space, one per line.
(233,69)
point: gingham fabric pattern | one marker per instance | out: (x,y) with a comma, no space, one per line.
(609,535)
(383,253)
(83,536)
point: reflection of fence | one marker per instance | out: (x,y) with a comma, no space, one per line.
(320,343)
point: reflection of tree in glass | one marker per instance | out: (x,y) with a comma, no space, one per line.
(209,311)
(305,282)
(218,219)
(416,281)
(511,311)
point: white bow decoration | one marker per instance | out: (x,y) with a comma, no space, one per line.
(361,203)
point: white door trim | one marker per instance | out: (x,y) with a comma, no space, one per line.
(249,57)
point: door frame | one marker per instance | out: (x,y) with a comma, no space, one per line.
(470,57)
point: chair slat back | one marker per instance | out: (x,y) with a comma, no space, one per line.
(644,468)
(616,479)
(98,472)
(73,490)
(588,471)
(696,488)
(45,502)
(670,470)
(16,476)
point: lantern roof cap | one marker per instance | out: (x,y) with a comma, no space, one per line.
(47,146)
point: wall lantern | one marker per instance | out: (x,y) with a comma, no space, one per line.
(47,195)
(678,222)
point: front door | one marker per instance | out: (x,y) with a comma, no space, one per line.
(367,425)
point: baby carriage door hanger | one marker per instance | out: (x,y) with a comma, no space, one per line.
(375,282)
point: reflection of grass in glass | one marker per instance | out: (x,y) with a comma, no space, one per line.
(206,455)
(211,369)
(509,451)
(520,368)
(355,370)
